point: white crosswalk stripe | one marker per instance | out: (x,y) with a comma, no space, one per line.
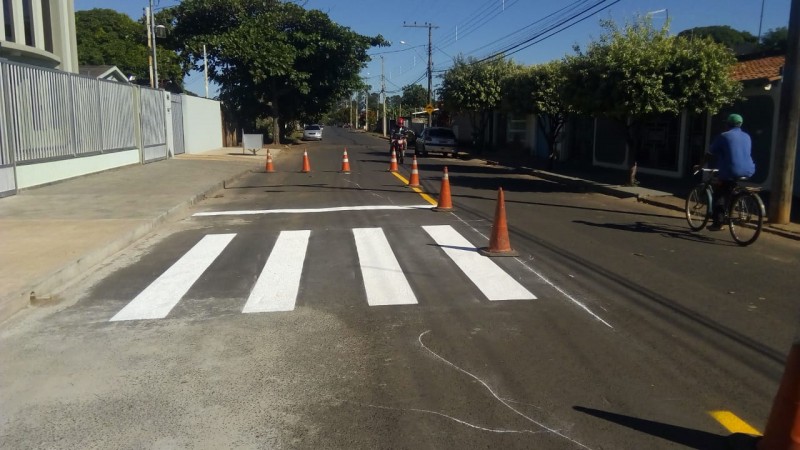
(384,280)
(279,282)
(276,288)
(158,299)
(493,281)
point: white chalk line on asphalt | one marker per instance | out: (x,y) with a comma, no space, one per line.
(494,394)
(310,210)
(543,278)
(454,419)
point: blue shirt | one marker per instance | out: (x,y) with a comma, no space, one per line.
(731,151)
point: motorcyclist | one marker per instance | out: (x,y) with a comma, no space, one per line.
(398,137)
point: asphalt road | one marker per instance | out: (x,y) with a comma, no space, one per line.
(376,325)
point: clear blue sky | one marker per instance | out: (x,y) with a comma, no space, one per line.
(479,27)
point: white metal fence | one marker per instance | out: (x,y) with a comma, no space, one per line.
(49,116)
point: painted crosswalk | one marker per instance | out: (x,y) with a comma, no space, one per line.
(279,282)
(166,291)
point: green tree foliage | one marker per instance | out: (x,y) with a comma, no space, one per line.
(721,34)
(476,89)
(108,37)
(539,90)
(415,97)
(776,39)
(272,57)
(636,72)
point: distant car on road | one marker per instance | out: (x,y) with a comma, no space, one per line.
(438,140)
(312,133)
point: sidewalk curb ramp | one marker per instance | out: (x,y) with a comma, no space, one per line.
(48,288)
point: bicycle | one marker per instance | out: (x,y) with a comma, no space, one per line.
(744,210)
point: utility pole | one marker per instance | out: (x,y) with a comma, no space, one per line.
(205,67)
(780,199)
(151,31)
(149,45)
(430,28)
(383,95)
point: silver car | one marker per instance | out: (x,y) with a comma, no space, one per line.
(438,140)
(312,133)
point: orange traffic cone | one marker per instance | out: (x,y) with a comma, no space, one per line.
(306,163)
(393,163)
(445,204)
(414,182)
(499,244)
(269,166)
(783,427)
(345,162)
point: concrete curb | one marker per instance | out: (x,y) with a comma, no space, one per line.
(47,288)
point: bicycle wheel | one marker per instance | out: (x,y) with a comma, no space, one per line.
(698,210)
(746,217)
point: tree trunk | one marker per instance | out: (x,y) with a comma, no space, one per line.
(276,126)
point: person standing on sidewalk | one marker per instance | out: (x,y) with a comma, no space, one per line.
(730,154)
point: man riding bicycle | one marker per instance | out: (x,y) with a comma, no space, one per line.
(730,154)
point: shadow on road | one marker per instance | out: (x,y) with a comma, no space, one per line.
(644,227)
(700,440)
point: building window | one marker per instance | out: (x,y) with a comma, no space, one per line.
(27,19)
(8,14)
(48,26)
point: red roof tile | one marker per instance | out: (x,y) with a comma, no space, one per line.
(768,68)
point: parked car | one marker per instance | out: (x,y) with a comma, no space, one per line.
(312,133)
(438,140)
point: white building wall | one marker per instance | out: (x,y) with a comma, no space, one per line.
(202,124)
(30,175)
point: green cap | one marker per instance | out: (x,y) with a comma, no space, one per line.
(735,119)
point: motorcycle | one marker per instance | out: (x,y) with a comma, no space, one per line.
(399,145)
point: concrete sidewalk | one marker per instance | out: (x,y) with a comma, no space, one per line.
(53,234)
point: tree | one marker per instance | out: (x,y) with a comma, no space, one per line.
(414,97)
(636,72)
(540,90)
(776,39)
(272,57)
(721,34)
(107,37)
(475,89)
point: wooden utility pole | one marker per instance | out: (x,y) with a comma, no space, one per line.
(780,199)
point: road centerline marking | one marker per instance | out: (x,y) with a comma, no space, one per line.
(419,191)
(733,423)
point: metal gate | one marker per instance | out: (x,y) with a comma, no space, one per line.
(8,181)
(154,131)
(177,125)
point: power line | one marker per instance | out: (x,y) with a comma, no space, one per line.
(540,36)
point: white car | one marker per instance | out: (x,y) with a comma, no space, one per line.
(438,140)
(312,133)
